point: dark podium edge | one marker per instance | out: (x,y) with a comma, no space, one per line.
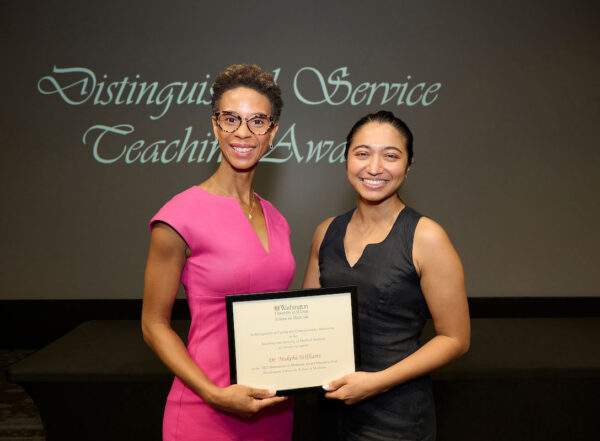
(33,324)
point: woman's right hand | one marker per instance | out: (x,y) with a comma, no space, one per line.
(243,400)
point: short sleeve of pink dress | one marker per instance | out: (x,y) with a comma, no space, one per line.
(226,258)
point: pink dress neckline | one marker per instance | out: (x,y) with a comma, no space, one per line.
(260,201)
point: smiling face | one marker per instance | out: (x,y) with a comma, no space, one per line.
(242,149)
(377,161)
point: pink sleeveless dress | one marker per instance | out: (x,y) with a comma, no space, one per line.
(226,258)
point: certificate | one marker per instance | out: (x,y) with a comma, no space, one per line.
(292,341)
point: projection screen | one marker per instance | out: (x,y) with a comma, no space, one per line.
(105,117)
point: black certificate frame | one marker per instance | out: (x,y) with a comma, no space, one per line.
(231,299)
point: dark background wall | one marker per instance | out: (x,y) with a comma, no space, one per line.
(506,142)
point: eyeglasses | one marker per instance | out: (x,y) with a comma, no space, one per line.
(229,122)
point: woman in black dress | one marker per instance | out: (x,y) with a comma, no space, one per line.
(404,266)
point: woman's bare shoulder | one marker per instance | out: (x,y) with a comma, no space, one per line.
(430,233)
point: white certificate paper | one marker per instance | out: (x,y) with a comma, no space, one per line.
(292,341)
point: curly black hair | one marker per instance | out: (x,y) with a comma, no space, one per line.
(251,76)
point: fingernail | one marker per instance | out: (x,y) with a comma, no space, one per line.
(272,392)
(326,386)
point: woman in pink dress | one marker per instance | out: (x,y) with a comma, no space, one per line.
(220,238)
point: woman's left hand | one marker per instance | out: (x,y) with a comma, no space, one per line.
(354,387)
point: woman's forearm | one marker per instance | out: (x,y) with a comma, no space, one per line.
(437,352)
(359,386)
(169,347)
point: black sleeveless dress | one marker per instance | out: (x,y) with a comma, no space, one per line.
(392,312)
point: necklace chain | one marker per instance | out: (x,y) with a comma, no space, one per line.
(249,214)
